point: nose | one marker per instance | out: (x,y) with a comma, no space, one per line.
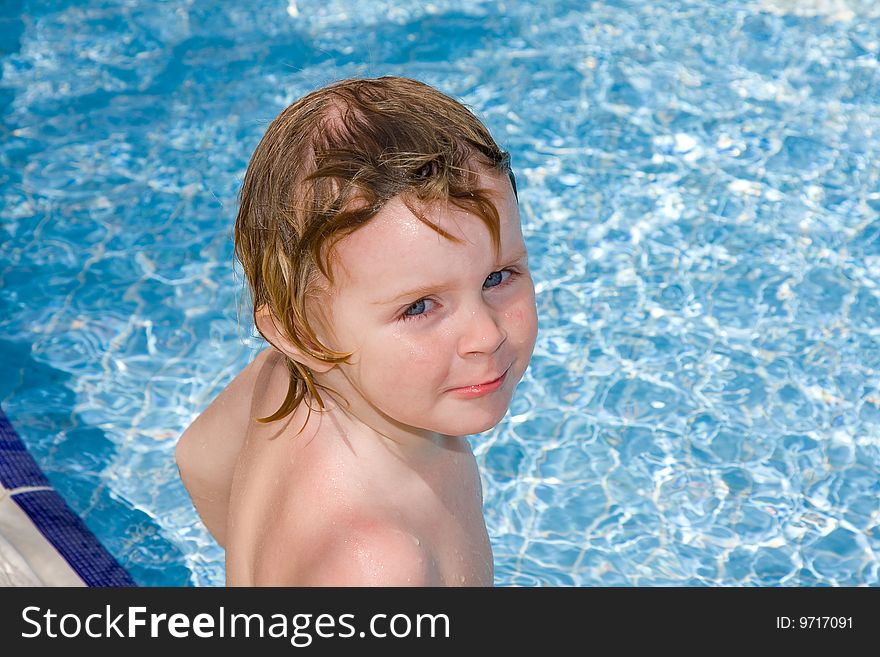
(482,332)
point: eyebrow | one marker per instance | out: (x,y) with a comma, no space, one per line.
(415,293)
(425,290)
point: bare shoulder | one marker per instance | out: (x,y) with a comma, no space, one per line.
(207,452)
(359,552)
(229,412)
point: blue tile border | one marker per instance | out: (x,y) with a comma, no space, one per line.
(51,515)
(17,466)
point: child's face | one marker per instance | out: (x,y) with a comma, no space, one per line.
(428,320)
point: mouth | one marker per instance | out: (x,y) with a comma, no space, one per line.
(480,389)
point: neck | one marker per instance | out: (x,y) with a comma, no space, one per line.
(368,427)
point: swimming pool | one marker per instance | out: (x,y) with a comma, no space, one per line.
(700,197)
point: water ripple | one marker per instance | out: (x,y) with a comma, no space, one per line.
(699,198)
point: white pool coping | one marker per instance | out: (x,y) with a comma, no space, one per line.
(26,557)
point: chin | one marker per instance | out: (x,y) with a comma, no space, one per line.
(482,427)
(466,424)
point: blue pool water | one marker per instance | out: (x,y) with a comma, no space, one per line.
(700,194)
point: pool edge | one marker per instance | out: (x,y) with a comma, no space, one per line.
(43,540)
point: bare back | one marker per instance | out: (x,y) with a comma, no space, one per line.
(292,494)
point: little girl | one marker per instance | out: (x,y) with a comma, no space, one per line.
(380,238)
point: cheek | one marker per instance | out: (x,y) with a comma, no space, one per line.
(410,357)
(523,321)
(415,352)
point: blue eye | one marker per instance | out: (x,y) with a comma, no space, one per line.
(424,308)
(496,278)
(418,309)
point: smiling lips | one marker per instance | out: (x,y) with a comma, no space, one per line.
(481,389)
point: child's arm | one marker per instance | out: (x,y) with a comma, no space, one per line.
(208,450)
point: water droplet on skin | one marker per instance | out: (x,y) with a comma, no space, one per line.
(461,578)
(416,541)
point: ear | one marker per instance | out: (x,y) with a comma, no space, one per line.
(268,326)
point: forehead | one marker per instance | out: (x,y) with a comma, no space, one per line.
(396,239)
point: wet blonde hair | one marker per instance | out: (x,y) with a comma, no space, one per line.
(326,166)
